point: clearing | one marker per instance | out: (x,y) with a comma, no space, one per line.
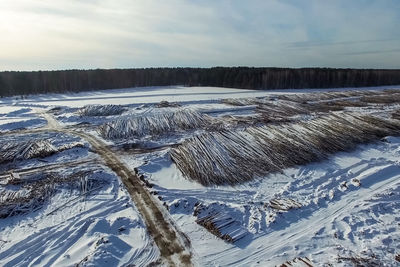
(201,176)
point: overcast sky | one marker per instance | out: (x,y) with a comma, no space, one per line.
(65,34)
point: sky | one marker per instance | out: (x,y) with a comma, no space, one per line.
(82,34)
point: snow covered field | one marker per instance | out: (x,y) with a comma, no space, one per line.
(339,211)
(339,218)
(151,95)
(90,224)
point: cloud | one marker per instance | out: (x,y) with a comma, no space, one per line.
(358,53)
(311,44)
(47,34)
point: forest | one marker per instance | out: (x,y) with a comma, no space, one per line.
(63,81)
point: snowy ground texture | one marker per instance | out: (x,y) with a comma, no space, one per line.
(343,210)
(93,223)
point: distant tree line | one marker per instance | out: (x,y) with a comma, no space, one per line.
(22,83)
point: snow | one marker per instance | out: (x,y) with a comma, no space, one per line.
(361,217)
(13,118)
(152,95)
(102,228)
(9,125)
(167,175)
(344,208)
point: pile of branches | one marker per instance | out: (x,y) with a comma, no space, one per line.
(328,96)
(284,204)
(26,199)
(246,101)
(32,192)
(303,97)
(154,123)
(220,223)
(282,109)
(101,110)
(302,104)
(236,121)
(385,98)
(396,115)
(305,103)
(233,157)
(166,104)
(10,151)
(17,150)
(299,261)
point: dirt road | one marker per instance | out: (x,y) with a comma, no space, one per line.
(174,246)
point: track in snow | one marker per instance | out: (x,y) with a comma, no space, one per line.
(174,246)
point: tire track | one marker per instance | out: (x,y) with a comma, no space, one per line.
(174,246)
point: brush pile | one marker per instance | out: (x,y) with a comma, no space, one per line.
(304,97)
(306,103)
(154,123)
(101,110)
(220,224)
(268,111)
(166,104)
(23,150)
(282,109)
(396,115)
(236,121)
(305,262)
(328,96)
(33,191)
(284,204)
(350,98)
(246,101)
(233,157)
(24,200)
(10,151)
(388,98)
